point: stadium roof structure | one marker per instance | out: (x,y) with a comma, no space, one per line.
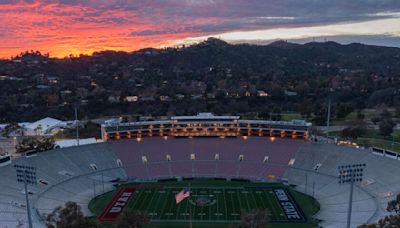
(205,116)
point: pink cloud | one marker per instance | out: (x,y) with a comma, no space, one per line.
(66,27)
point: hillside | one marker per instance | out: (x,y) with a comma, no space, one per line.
(211,76)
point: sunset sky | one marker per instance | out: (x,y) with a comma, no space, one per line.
(83,26)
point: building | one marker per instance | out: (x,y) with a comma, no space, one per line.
(46,126)
(262,93)
(131,98)
(206,124)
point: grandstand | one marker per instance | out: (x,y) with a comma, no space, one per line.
(205,124)
(81,173)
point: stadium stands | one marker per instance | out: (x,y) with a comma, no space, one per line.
(80,173)
(381,182)
(204,150)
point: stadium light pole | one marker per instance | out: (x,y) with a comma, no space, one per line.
(27,175)
(76,124)
(350,174)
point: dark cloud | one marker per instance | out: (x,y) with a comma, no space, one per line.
(80,24)
(380,40)
(148,32)
(227,15)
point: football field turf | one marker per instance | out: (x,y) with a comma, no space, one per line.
(210,202)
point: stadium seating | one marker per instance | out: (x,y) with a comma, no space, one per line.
(253,149)
(80,173)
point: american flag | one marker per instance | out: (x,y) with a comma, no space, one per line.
(185,193)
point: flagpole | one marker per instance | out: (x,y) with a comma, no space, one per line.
(190,209)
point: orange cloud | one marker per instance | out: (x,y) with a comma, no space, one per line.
(61,30)
(63,27)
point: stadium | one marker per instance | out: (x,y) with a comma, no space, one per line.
(229,163)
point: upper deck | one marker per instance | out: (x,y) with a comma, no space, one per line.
(206,124)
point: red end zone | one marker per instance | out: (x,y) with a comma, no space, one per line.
(116,205)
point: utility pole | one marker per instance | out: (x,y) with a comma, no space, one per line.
(350,174)
(27,175)
(77,125)
(328,118)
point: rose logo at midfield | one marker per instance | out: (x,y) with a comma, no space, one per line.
(203,200)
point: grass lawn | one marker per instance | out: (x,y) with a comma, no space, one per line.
(291,116)
(368,115)
(381,143)
(372,138)
(214,203)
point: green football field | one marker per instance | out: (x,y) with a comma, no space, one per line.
(214,202)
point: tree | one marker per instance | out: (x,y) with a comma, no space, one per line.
(354,130)
(132,219)
(360,115)
(375,119)
(386,114)
(342,110)
(305,109)
(264,115)
(69,216)
(255,218)
(37,144)
(386,127)
(12,127)
(276,114)
(392,220)
(397,111)
(394,205)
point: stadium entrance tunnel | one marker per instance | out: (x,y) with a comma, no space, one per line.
(211,201)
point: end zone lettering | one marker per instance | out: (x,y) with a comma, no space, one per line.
(287,205)
(117,204)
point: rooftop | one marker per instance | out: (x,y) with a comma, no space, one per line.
(205,116)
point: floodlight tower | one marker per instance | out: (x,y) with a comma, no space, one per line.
(27,175)
(350,174)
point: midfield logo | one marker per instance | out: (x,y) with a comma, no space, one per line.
(203,200)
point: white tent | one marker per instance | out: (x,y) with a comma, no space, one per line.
(46,126)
